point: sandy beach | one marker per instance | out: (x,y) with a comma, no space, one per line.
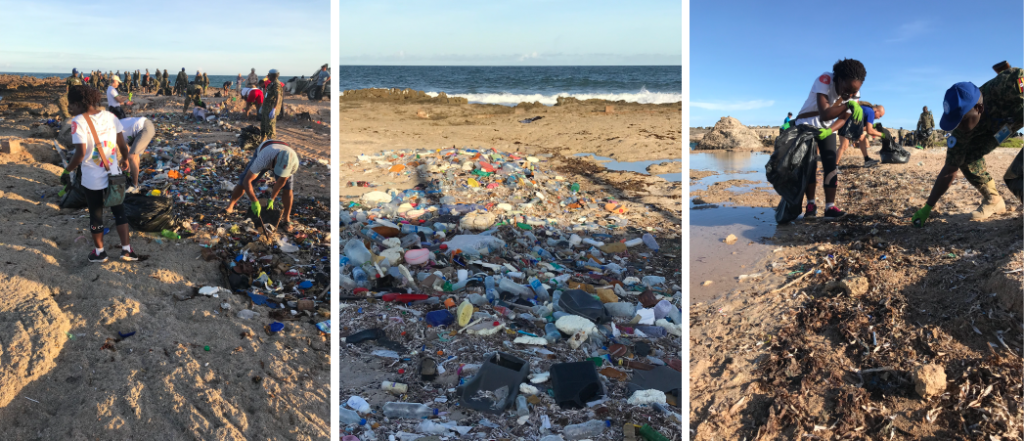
(820,331)
(111,351)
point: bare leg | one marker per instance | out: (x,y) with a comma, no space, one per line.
(236,194)
(843,143)
(286,199)
(863,144)
(133,166)
(97,239)
(122,232)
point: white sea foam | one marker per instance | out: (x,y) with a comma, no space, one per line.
(511,99)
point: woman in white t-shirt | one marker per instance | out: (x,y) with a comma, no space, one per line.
(84,102)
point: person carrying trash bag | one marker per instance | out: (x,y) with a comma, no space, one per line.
(791,168)
(832,101)
(100,156)
(978,119)
(271,156)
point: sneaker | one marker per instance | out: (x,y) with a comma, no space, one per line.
(102,257)
(129,255)
(868,162)
(812,210)
(132,190)
(834,212)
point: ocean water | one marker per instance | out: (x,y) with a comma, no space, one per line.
(511,85)
(215,80)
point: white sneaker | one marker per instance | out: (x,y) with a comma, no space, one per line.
(132,190)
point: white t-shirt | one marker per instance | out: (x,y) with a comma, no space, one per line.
(94,177)
(826,85)
(112,97)
(133,126)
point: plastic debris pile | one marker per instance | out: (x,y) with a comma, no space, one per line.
(497,299)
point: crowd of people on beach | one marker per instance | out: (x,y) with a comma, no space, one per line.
(108,143)
(976,120)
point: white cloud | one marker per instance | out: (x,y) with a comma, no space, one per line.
(528,56)
(908,31)
(740,105)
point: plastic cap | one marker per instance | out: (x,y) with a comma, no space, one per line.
(272,71)
(444,247)
(958,101)
(74,70)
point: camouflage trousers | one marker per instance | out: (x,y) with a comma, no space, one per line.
(970,162)
(62,104)
(1014,176)
(268,127)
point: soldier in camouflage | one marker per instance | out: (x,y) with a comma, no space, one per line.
(979,120)
(273,103)
(206,83)
(925,124)
(194,96)
(181,83)
(62,100)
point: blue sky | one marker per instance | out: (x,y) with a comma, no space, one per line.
(511,33)
(219,37)
(756,61)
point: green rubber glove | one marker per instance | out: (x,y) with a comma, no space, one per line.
(65,178)
(255,207)
(270,205)
(921,216)
(824,133)
(858,112)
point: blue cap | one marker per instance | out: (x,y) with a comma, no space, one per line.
(74,70)
(958,101)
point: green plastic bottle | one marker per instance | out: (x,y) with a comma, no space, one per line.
(575,187)
(170,234)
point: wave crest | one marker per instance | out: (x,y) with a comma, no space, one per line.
(511,99)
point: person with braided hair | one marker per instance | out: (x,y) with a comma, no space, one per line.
(833,100)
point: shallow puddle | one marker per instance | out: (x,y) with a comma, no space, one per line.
(710,258)
(638,166)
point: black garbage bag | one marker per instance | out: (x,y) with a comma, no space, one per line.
(892,152)
(74,195)
(791,166)
(149,214)
(852,130)
(1014,176)
(249,138)
(579,302)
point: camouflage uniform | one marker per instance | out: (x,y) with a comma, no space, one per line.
(62,100)
(206,83)
(924,124)
(273,99)
(1003,99)
(181,83)
(194,96)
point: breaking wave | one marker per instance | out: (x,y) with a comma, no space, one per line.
(511,99)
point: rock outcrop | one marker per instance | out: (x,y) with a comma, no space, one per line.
(730,134)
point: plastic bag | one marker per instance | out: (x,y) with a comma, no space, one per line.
(891,152)
(791,166)
(579,302)
(148,213)
(1014,177)
(852,130)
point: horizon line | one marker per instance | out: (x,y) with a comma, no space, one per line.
(513,65)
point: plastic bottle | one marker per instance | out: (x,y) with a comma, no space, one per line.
(508,285)
(170,234)
(348,283)
(351,418)
(360,277)
(662,309)
(406,228)
(490,292)
(473,244)
(357,252)
(408,410)
(359,404)
(633,242)
(650,242)
(477,299)
(575,240)
(522,409)
(593,243)
(653,280)
(373,235)
(551,333)
(543,253)
(652,331)
(538,288)
(585,430)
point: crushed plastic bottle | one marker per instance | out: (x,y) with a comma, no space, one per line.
(351,418)
(585,430)
(408,410)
